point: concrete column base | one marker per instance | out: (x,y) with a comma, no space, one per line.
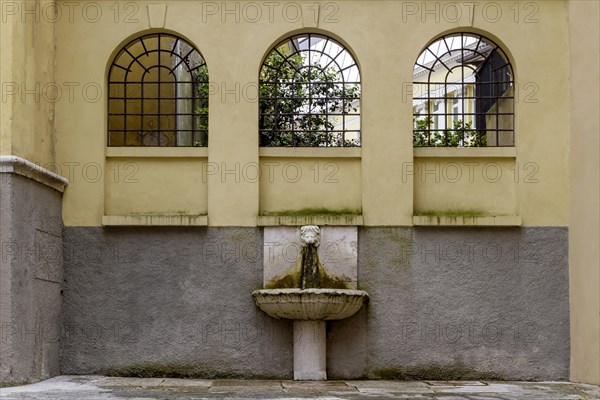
(309,351)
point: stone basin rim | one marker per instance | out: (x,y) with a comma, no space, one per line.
(342,292)
(310,304)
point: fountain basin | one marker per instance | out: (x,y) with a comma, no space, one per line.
(309,308)
(310,304)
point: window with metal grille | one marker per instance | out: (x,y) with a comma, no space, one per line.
(463,94)
(158,94)
(309,94)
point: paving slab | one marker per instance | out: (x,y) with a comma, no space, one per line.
(110,388)
(313,383)
(245,382)
(234,386)
(455,383)
(490,388)
(186,382)
(317,387)
(135,382)
(393,387)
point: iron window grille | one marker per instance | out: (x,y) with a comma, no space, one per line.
(158,94)
(309,94)
(463,94)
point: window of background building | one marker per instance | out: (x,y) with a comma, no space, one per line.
(309,94)
(158,94)
(463,87)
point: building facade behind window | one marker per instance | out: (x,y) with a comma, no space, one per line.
(463,94)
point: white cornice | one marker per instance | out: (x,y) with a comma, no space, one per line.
(23,167)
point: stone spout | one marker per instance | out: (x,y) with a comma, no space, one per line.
(311,275)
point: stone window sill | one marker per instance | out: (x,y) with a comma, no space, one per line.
(157,152)
(492,220)
(301,220)
(311,152)
(466,152)
(155,220)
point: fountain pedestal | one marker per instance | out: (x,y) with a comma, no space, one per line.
(309,351)
(309,305)
(309,309)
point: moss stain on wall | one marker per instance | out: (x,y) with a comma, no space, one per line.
(431,372)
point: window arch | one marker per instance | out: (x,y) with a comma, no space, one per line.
(463,94)
(309,94)
(158,94)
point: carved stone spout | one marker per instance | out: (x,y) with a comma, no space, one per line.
(311,275)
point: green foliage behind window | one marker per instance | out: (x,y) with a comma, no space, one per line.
(461,135)
(297,102)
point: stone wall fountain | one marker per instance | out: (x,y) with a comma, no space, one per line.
(309,294)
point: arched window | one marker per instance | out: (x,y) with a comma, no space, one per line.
(309,94)
(158,94)
(463,94)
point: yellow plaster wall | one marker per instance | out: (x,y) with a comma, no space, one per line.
(584,191)
(386,55)
(29,90)
(152,186)
(538,40)
(468,186)
(6,75)
(288,184)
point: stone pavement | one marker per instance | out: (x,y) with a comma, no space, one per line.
(107,388)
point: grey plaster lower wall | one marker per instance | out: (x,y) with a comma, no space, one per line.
(158,299)
(30,279)
(460,303)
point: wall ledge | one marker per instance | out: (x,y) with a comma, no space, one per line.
(157,152)
(154,220)
(462,152)
(20,166)
(493,220)
(311,152)
(300,220)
